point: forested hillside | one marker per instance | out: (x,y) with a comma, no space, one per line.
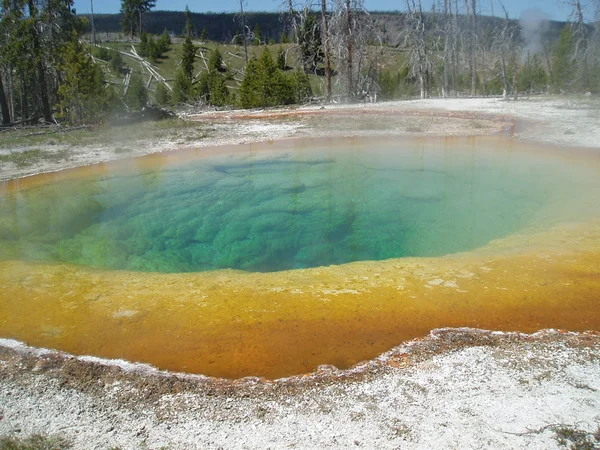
(84,69)
(224,27)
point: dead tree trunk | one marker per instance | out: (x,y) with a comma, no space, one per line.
(455,48)
(244,31)
(325,42)
(349,50)
(417,42)
(93,25)
(41,73)
(473,47)
(11,92)
(447,38)
(503,41)
(580,33)
(545,46)
(515,80)
(4,104)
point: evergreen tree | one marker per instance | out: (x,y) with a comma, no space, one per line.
(212,89)
(189,29)
(533,77)
(101,53)
(265,85)
(32,38)
(143,47)
(116,60)
(82,93)
(182,87)
(188,54)
(219,94)
(137,94)
(133,12)
(251,83)
(301,86)
(281,59)
(215,61)
(204,35)
(162,96)
(164,42)
(211,86)
(562,61)
(257,35)
(153,51)
(388,84)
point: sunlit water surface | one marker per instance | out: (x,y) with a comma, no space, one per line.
(271,208)
(296,208)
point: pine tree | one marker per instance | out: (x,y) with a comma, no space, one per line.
(32,37)
(265,85)
(215,61)
(162,96)
(281,65)
(219,94)
(189,29)
(143,47)
(133,12)
(164,42)
(562,61)
(533,77)
(182,88)
(301,86)
(116,60)
(211,87)
(188,54)
(137,94)
(82,93)
(153,51)
(257,35)
(204,35)
(388,84)
(250,96)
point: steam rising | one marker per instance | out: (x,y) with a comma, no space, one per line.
(534,23)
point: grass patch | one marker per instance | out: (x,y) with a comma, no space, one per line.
(109,136)
(575,439)
(29,157)
(34,442)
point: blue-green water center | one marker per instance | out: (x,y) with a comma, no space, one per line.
(298,206)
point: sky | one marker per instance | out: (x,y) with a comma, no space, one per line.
(554,9)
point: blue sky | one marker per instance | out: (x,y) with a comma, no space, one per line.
(555,9)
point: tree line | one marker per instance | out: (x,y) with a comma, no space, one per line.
(450,50)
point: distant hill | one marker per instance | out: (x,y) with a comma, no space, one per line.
(223,27)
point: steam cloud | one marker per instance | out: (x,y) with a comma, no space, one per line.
(534,23)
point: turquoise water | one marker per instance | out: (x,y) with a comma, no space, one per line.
(290,208)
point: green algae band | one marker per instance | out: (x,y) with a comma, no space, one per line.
(285,208)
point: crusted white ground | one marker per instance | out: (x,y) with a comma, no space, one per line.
(557,120)
(505,395)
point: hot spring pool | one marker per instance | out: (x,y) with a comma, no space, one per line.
(126,259)
(264,211)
